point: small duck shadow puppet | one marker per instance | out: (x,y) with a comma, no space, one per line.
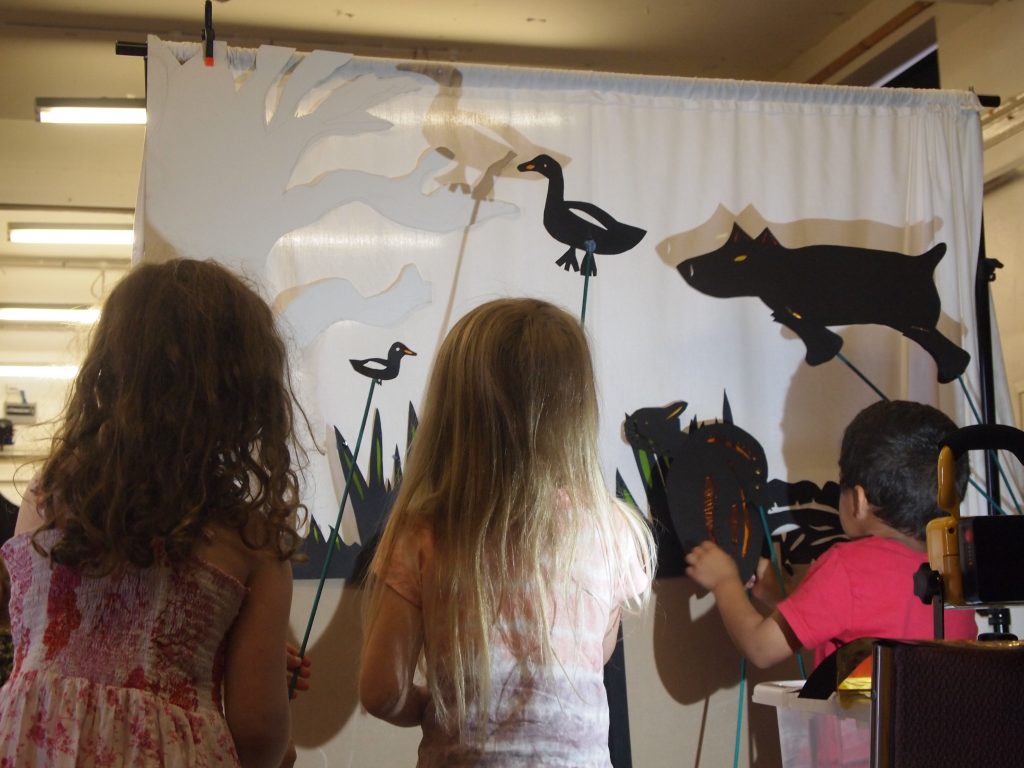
(817,286)
(382,369)
(597,232)
(712,485)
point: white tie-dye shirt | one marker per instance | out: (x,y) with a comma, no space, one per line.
(564,721)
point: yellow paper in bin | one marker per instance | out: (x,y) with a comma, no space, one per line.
(858,681)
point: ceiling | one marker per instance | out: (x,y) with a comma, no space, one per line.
(65,48)
(725,38)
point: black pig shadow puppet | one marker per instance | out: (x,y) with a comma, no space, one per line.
(817,286)
(710,483)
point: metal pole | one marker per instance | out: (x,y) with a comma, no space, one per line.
(983,309)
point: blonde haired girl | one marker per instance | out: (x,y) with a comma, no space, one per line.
(505,560)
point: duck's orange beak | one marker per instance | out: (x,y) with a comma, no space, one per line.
(526,167)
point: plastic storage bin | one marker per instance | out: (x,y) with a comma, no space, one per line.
(815,733)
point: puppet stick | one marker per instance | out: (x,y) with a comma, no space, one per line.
(971,480)
(334,531)
(994,454)
(977,418)
(862,377)
(778,576)
(591,264)
(995,504)
(739,715)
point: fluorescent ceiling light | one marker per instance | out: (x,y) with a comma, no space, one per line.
(48,314)
(63,372)
(71,234)
(92,111)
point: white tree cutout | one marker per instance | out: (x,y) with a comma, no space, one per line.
(221,154)
(203,124)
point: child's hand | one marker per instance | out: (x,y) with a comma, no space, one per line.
(709,565)
(293,662)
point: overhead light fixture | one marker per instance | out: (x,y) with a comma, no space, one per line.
(18,371)
(71,234)
(48,313)
(92,111)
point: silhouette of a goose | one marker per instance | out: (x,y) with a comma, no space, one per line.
(380,369)
(562,219)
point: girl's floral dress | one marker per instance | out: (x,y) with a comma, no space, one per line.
(120,670)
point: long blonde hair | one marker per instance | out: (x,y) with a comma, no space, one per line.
(504,472)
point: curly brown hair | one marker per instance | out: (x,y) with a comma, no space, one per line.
(181,417)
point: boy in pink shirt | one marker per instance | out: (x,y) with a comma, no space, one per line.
(863,587)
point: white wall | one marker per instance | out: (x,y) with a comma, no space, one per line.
(984,53)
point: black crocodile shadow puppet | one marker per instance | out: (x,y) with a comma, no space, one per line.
(710,483)
(811,288)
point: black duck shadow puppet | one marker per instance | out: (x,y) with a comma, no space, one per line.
(371,497)
(816,286)
(383,369)
(580,225)
(710,483)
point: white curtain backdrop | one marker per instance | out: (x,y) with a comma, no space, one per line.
(376,201)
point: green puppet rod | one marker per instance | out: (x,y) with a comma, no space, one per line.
(589,258)
(377,370)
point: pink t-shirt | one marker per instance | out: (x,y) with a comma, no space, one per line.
(865,588)
(564,721)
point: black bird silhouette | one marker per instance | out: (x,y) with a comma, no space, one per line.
(380,369)
(603,235)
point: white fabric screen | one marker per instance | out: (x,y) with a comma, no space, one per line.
(318,176)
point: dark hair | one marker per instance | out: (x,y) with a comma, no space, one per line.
(180,417)
(891,449)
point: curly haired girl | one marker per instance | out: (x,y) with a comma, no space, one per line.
(150,573)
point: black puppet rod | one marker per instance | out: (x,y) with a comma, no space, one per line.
(125,48)
(986,273)
(208,35)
